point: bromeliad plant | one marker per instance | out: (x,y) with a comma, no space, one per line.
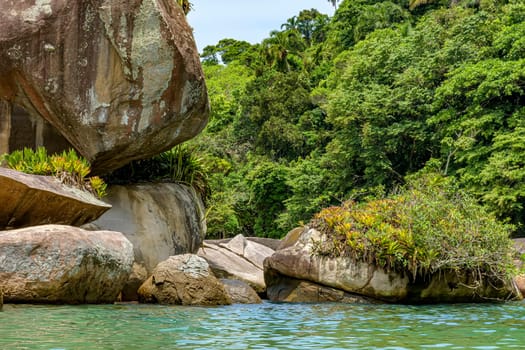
(426,227)
(67,166)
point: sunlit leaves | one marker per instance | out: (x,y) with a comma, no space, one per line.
(68,167)
(427,226)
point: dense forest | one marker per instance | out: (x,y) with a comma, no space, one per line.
(331,108)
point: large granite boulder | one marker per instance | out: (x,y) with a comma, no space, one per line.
(183,280)
(63,264)
(299,262)
(240,259)
(160,220)
(120,80)
(30,200)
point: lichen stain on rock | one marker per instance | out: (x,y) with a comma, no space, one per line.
(40,9)
(120,80)
(154,56)
(190,96)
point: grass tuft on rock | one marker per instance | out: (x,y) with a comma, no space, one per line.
(425,227)
(178,165)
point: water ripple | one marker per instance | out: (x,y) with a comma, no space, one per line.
(265,326)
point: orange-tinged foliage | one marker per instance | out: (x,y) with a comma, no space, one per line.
(425,228)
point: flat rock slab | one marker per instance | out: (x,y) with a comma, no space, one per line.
(238,258)
(59,264)
(291,290)
(31,200)
(254,252)
(226,264)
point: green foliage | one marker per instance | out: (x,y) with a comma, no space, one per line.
(342,107)
(179,164)
(226,51)
(68,167)
(427,226)
(267,183)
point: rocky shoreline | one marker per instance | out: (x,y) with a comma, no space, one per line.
(115,95)
(60,264)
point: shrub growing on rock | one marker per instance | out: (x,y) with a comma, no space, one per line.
(425,227)
(67,166)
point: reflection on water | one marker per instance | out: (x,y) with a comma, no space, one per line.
(265,326)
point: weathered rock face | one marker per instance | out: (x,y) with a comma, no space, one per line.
(30,200)
(291,238)
(120,80)
(183,280)
(240,292)
(160,220)
(287,289)
(63,264)
(239,259)
(299,262)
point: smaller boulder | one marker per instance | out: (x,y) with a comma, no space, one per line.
(240,292)
(183,280)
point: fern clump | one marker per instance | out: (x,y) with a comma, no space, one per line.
(67,166)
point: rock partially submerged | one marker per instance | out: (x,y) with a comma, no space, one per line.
(239,259)
(30,200)
(287,289)
(299,262)
(63,264)
(240,292)
(183,280)
(120,80)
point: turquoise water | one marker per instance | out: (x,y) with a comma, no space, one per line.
(265,326)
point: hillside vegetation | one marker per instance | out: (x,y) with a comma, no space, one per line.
(327,110)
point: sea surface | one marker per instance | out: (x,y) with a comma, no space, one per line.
(264,326)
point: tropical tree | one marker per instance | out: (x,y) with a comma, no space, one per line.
(226,51)
(281,48)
